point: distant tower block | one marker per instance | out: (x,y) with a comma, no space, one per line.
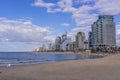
(80,38)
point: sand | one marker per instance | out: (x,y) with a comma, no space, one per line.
(107,68)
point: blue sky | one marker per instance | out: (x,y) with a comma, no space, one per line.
(26,24)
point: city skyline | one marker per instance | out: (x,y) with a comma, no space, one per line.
(25,24)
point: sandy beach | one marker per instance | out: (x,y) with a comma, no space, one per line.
(107,68)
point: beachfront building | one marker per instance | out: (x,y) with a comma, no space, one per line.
(53,47)
(41,49)
(61,42)
(72,46)
(90,40)
(64,45)
(80,38)
(103,31)
(64,42)
(63,38)
(86,44)
(49,46)
(37,50)
(58,43)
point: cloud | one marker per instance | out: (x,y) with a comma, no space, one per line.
(65,24)
(18,46)
(23,35)
(87,9)
(108,6)
(85,12)
(66,6)
(22,31)
(41,3)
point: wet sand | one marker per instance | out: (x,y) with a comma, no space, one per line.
(107,68)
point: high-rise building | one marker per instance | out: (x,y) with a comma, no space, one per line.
(65,40)
(103,31)
(64,37)
(61,43)
(80,38)
(50,46)
(43,47)
(64,45)
(58,43)
(90,39)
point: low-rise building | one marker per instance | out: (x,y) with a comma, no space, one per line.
(72,46)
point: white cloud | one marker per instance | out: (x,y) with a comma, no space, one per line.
(82,1)
(18,46)
(86,11)
(66,6)
(22,31)
(108,6)
(65,24)
(52,38)
(23,35)
(41,3)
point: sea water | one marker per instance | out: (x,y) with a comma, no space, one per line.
(22,58)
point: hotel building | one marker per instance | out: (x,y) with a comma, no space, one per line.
(103,31)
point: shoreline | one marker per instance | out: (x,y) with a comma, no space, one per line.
(106,68)
(83,57)
(82,53)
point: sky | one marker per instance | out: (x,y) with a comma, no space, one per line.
(27,24)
